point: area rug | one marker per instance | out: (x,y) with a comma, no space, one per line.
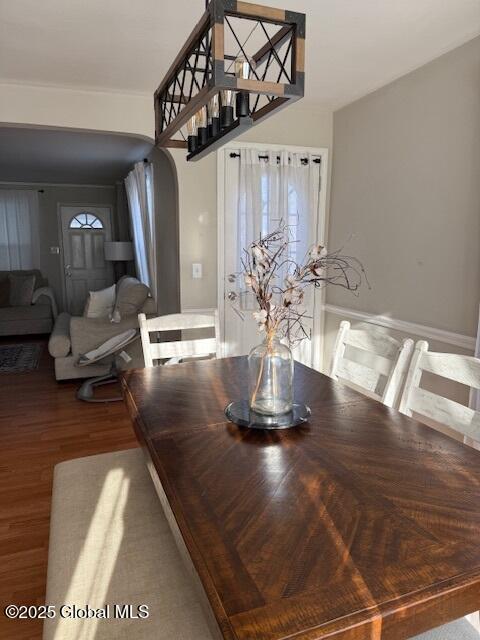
(18,358)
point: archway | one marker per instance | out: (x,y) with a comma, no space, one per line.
(60,162)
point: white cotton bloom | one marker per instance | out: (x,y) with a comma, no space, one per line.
(319,271)
(318,252)
(258,252)
(261,256)
(260,316)
(261,319)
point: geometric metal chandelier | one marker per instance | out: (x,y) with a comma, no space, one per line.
(241,63)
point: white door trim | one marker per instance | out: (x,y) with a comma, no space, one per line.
(60,236)
(319,301)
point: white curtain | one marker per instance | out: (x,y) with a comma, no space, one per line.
(274,187)
(19,229)
(284,187)
(139,187)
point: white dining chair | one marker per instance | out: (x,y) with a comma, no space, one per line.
(177,350)
(434,409)
(371,362)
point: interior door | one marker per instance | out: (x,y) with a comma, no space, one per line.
(239,336)
(84,231)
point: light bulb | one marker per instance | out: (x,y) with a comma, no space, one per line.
(214,106)
(228,98)
(228,102)
(202,125)
(214,115)
(192,126)
(192,129)
(243,68)
(201,117)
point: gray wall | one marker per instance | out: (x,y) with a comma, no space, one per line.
(406,184)
(51,264)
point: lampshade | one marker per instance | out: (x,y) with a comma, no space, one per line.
(116,251)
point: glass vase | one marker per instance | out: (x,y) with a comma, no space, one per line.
(270,369)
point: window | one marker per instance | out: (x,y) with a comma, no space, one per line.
(292,215)
(85,220)
(19,229)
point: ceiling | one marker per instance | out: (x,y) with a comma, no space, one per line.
(67,157)
(353,46)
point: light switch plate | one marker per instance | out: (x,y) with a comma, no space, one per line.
(196,270)
(55,250)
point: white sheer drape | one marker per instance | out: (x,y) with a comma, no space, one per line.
(19,229)
(139,187)
(284,187)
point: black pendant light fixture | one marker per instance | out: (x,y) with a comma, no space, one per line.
(239,65)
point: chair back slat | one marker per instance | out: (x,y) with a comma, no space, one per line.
(361,378)
(179,349)
(183,348)
(439,410)
(434,409)
(371,361)
(368,359)
(462,369)
(180,321)
(373,342)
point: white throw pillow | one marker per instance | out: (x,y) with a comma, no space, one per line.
(100,303)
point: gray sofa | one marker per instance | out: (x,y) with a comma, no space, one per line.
(34,318)
(73,336)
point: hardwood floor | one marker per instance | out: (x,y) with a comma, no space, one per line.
(41,424)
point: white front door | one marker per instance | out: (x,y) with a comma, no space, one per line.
(239,336)
(84,231)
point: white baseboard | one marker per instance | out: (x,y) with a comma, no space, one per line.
(411,328)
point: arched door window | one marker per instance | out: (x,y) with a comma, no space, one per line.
(85,220)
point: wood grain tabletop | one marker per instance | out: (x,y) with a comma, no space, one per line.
(361,524)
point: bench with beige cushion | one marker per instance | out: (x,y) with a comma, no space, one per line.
(110,543)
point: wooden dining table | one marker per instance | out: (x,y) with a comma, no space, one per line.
(360,524)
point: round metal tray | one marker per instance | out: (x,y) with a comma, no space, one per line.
(239,413)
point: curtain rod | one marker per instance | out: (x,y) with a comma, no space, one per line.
(302,160)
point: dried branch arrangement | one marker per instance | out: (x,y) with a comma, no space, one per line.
(278,283)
